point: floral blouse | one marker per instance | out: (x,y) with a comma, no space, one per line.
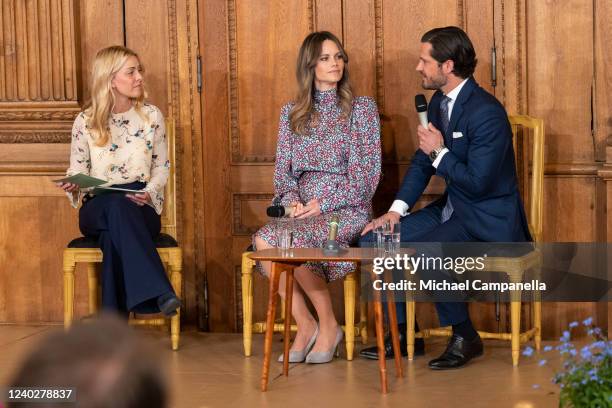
(137,151)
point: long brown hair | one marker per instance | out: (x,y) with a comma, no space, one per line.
(303,113)
(106,64)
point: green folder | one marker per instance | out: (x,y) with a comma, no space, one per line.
(82,180)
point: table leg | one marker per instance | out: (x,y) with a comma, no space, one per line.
(397,356)
(273,291)
(288,299)
(380,341)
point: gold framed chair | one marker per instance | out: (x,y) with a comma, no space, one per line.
(350,329)
(513,267)
(86,250)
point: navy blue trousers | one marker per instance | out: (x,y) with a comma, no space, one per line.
(133,276)
(425,226)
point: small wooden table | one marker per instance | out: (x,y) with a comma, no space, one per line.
(287,261)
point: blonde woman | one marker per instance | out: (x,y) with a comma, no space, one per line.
(120,138)
(327,163)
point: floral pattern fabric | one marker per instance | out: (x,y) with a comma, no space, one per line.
(137,150)
(337,162)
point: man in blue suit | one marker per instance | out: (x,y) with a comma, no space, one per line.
(468,142)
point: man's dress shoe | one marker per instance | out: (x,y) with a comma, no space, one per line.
(372,352)
(458,352)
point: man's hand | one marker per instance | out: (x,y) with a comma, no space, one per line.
(139,198)
(391,217)
(311,209)
(430,138)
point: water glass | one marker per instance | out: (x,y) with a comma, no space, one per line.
(284,233)
(378,239)
(391,238)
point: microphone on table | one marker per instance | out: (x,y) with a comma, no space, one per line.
(279,211)
(421,107)
(331,246)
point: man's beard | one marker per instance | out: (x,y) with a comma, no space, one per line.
(434,84)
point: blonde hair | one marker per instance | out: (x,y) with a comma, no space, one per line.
(106,64)
(303,113)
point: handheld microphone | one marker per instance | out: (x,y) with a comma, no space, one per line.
(279,211)
(421,107)
(331,246)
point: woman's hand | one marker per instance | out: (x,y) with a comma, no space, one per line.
(392,217)
(67,187)
(311,209)
(139,199)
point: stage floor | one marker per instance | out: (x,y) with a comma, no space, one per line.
(210,370)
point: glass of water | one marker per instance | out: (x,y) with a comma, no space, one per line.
(391,238)
(378,240)
(284,233)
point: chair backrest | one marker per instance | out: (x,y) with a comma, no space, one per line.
(168,217)
(527,132)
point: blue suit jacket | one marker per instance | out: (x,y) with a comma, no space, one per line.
(479,169)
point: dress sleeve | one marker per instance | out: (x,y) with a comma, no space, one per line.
(80,160)
(285,182)
(364,160)
(160,163)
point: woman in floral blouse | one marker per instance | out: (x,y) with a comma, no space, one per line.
(120,138)
(327,163)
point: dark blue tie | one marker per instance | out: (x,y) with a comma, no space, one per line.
(444,119)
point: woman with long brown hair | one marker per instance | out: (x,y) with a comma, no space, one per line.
(327,163)
(121,139)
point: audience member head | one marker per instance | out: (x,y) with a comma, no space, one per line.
(104,360)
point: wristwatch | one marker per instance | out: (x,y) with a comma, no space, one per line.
(435,152)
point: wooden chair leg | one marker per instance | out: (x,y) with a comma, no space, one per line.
(537,323)
(69,267)
(272,294)
(247,304)
(349,314)
(410,319)
(363,322)
(92,285)
(515,325)
(176,281)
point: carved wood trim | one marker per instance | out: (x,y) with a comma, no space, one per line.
(379,52)
(237,199)
(461,13)
(35,137)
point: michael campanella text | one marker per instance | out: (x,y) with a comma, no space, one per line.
(434,285)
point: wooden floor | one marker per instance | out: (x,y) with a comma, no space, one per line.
(210,371)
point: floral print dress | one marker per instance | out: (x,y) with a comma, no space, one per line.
(338,162)
(137,151)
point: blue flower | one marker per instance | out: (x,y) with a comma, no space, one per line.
(599,344)
(588,321)
(542,362)
(528,352)
(585,352)
(573,324)
(547,348)
(566,336)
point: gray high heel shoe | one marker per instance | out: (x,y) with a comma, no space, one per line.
(300,355)
(321,357)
